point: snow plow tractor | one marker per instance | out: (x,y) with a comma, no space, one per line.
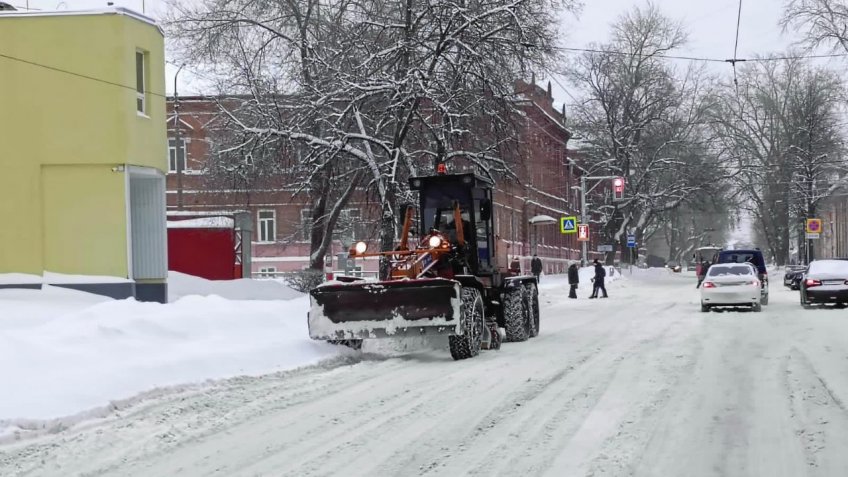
(452,280)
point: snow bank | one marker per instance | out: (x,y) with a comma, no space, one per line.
(181,285)
(63,352)
(202,223)
(19,279)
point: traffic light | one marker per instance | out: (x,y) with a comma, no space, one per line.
(618,188)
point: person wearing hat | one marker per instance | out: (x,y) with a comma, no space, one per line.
(598,281)
(536,267)
(573,280)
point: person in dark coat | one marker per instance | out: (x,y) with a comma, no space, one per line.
(536,266)
(573,280)
(600,273)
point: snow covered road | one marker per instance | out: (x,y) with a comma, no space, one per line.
(639,384)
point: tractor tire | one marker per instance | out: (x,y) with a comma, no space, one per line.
(531,293)
(515,316)
(473,320)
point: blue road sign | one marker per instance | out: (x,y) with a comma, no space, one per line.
(631,241)
(568,225)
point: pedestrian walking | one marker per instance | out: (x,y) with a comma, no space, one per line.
(598,281)
(573,280)
(536,267)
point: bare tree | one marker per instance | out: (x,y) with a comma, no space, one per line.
(778,130)
(644,120)
(376,89)
(823,22)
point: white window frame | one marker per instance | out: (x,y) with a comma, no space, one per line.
(306,218)
(268,272)
(346,216)
(261,232)
(141,95)
(186,142)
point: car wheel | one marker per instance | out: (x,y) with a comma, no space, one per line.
(804,302)
(758,307)
(704,308)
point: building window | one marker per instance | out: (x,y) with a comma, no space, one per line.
(348,225)
(140,75)
(173,160)
(306,223)
(268,272)
(267,225)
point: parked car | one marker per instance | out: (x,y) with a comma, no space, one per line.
(674,267)
(691,267)
(731,284)
(792,275)
(755,258)
(826,281)
(796,281)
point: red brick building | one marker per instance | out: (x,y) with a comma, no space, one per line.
(544,186)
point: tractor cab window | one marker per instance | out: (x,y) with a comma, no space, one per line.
(444,222)
(438,203)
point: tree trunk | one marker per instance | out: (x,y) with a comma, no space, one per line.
(387,229)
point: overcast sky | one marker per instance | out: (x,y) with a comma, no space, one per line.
(711,25)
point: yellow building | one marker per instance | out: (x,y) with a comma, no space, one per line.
(83,151)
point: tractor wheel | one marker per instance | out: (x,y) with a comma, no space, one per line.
(515,318)
(531,294)
(473,320)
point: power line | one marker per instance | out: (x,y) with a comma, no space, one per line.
(78,75)
(702,59)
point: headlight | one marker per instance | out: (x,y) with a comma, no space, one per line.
(435,241)
(360,247)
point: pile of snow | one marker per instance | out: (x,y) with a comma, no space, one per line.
(203,223)
(65,353)
(181,285)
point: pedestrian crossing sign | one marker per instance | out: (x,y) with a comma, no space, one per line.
(568,225)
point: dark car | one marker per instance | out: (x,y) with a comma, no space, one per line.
(755,258)
(792,275)
(826,281)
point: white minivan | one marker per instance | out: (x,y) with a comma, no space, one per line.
(731,285)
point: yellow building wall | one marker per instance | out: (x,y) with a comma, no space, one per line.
(84,220)
(67,97)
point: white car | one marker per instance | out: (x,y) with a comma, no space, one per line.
(731,284)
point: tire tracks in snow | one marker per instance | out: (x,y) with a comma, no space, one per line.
(820,416)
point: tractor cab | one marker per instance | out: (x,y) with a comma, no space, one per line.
(438,198)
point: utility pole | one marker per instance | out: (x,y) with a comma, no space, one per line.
(177,142)
(583,219)
(584,210)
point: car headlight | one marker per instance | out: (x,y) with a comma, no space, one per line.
(360,247)
(434,241)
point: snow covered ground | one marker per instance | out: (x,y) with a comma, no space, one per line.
(639,384)
(66,356)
